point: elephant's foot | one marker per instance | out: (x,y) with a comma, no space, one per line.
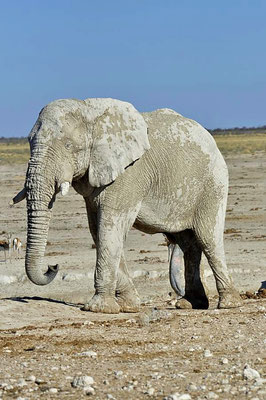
(229,298)
(199,300)
(129,301)
(193,301)
(183,304)
(102,304)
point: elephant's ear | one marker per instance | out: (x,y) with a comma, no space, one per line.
(119,138)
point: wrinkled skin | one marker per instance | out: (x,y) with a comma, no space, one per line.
(172,180)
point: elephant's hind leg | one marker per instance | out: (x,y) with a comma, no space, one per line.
(194,293)
(213,247)
(194,289)
(126,293)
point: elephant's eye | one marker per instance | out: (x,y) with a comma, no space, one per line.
(68,145)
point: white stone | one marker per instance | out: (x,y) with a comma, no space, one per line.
(192,387)
(24,364)
(227,389)
(225,381)
(259,382)
(22,398)
(22,382)
(212,395)
(73,276)
(207,353)
(82,381)
(184,396)
(150,391)
(53,390)
(88,353)
(250,373)
(89,391)
(224,361)
(88,323)
(118,374)
(9,387)
(172,397)
(7,280)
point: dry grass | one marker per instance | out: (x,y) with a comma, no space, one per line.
(14,153)
(241,144)
(18,153)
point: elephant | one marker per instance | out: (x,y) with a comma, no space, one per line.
(158,172)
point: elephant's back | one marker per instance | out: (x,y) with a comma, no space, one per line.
(167,127)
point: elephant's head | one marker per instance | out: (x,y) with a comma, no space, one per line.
(71,138)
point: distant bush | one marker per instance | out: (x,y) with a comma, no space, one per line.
(238,131)
(14,140)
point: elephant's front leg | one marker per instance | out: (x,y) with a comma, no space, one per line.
(111,233)
(126,293)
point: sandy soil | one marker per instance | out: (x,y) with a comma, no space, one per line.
(152,354)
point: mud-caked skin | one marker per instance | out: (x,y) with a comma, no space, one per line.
(159,172)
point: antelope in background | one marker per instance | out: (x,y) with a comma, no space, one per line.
(5,245)
(8,245)
(17,244)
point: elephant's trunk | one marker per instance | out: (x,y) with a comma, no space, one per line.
(40,196)
(38,225)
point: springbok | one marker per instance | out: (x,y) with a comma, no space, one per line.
(5,245)
(17,244)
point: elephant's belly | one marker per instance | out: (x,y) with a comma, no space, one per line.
(159,219)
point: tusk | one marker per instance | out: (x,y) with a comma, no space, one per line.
(64,188)
(19,197)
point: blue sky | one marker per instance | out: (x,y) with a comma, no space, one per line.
(204,58)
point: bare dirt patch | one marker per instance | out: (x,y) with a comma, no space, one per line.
(152,354)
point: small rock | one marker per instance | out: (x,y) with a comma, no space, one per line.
(150,391)
(24,364)
(177,396)
(250,373)
(184,396)
(143,319)
(259,382)
(224,361)
(88,323)
(88,353)
(22,382)
(7,280)
(118,374)
(207,353)
(212,395)
(171,397)
(225,381)
(227,389)
(53,390)
(39,381)
(202,387)
(156,376)
(8,387)
(192,387)
(82,381)
(89,391)
(110,396)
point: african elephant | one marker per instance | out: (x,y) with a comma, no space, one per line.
(159,172)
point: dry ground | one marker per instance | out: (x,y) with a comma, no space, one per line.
(197,353)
